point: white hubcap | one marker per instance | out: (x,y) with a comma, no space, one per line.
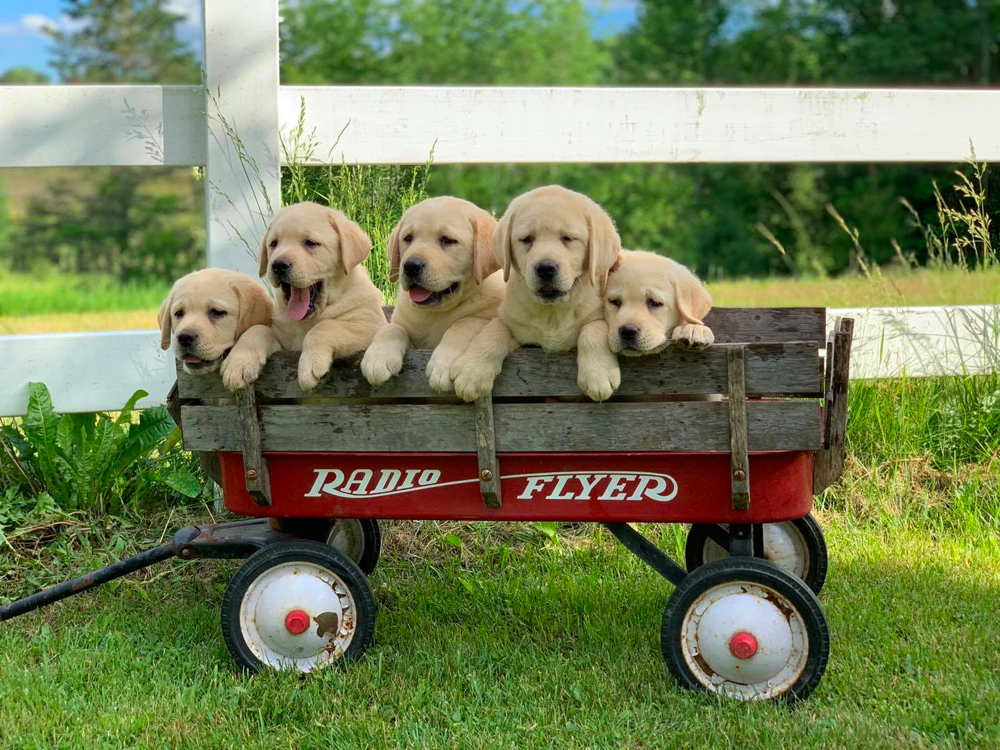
(783,546)
(744,640)
(297,588)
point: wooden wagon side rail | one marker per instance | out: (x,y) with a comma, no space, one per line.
(829,464)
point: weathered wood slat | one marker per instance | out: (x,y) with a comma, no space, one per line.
(739,462)
(668,426)
(829,463)
(247,426)
(771,369)
(489,469)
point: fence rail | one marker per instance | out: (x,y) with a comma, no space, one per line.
(47,126)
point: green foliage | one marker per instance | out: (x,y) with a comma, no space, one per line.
(92,462)
(21,76)
(45,293)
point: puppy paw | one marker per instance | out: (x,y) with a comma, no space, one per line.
(313,365)
(241,368)
(599,381)
(439,372)
(381,363)
(693,336)
(471,379)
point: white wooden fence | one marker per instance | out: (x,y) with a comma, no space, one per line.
(47,126)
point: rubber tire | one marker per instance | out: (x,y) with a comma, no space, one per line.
(749,569)
(807,526)
(283,552)
(319,530)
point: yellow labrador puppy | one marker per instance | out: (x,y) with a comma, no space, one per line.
(207,312)
(557,247)
(651,301)
(449,288)
(327,307)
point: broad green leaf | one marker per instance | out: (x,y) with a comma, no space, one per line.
(182,482)
(126,413)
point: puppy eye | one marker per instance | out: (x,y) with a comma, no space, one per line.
(310,243)
(654,303)
(615,301)
(274,244)
(216,313)
(448,241)
(528,239)
(408,239)
(179,314)
(566,239)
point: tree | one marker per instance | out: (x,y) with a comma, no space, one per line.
(118,41)
(22,76)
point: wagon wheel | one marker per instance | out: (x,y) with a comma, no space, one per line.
(797,547)
(358,538)
(743,628)
(299,605)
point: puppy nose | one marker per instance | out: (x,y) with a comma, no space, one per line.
(186,338)
(413,267)
(628,332)
(546,270)
(280,267)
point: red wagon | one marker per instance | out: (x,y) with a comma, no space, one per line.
(319,472)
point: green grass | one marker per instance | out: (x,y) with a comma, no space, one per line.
(53,294)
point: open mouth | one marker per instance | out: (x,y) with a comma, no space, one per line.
(193,363)
(549,293)
(426,298)
(301,300)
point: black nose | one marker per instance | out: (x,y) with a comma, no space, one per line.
(628,333)
(546,270)
(281,267)
(187,339)
(413,267)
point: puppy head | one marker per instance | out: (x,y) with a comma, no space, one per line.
(205,314)
(647,296)
(442,245)
(552,236)
(307,253)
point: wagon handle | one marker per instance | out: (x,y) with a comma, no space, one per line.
(739,459)
(489,468)
(255,471)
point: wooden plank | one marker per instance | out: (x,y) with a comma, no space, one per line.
(242,182)
(92,126)
(489,469)
(672,426)
(258,479)
(786,369)
(739,461)
(465,125)
(767,325)
(829,463)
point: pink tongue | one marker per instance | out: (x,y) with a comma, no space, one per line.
(191,359)
(418,294)
(298,305)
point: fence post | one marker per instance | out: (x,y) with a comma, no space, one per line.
(243,153)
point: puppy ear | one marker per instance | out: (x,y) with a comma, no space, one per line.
(262,257)
(255,306)
(393,248)
(484,260)
(603,246)
(354,243)
(693,299)
(503,246)
(165,320)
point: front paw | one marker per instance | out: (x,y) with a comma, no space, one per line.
(599,381)
(439,372)
(313,365)
(472,379)
(381,363)
(241,368)
(693,336)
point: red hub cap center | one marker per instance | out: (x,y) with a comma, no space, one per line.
(297,622)
(743,645)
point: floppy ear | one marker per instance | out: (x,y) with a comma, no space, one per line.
(484,260)
(255,306)
(262,257)
(503,247)
(165,319)
(354,243)
(393,248)
(693,299)
(603,246)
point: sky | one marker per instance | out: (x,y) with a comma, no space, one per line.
(24,43)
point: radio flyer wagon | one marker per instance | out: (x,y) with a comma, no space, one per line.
(317,475)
